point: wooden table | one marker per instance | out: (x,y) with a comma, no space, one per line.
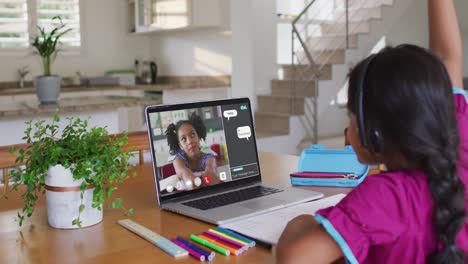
(108,242)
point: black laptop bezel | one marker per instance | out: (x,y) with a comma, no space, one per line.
(208,189)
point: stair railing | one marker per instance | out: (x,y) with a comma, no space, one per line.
(296,34)
(307,66)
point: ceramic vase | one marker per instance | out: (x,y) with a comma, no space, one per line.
(63,200)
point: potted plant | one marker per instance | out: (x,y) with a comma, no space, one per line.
(46,45)
(76,168)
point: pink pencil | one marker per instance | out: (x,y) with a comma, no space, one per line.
(226,240)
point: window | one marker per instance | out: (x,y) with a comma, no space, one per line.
(68,10)
(13,23)
(19,20)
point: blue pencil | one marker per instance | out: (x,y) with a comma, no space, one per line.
(209,256)
(230,233)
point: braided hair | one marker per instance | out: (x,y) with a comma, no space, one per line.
(408,97)
(171,132)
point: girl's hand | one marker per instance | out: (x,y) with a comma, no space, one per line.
(185,174)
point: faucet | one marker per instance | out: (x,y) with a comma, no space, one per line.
(22,73)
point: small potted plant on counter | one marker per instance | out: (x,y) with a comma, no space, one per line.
(76,168)
(46,45)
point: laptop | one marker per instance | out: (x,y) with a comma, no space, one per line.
(231,188)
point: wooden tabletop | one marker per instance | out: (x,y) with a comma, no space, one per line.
(108,242)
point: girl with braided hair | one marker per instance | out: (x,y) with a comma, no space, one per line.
(403,113)
(183,139)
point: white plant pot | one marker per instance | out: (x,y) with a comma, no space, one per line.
(63,200)
(47,88)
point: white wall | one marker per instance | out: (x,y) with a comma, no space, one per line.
(462,8)
(243,47)
(195,52)
(106,45)
(253,25)
(417,33)
(192,52)
(412,27)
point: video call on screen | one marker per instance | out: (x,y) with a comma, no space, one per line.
(241,147)
(229,139)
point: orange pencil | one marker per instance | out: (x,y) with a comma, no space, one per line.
(234,250)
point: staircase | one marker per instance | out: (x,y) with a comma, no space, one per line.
(329,31)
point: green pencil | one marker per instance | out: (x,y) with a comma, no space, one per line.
(205,243)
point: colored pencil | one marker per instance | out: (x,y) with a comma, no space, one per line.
(230,237)
(208,255)
(234,250)
(192,252)
(227,231)
(226,240)
(205,243)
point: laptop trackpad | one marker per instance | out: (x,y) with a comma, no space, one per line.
(262,203)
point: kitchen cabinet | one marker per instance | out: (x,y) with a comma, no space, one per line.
(165,15)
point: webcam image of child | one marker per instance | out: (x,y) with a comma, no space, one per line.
(190,149)
(193,166)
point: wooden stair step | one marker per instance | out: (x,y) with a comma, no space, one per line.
(285,88)
(322,57)
(339,28)
(358,14)
(363,3)
(332,42)
(306,71)
(280,104)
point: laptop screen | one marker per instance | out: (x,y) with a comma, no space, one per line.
(201,146)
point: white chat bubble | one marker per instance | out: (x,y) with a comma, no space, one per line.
(230,113)
(244,132)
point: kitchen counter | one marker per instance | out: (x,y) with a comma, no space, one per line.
(75,105)
(165,83)
(119,108)
(68,89)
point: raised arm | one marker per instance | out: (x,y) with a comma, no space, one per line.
(445,39)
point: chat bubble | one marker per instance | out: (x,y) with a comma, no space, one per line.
(244,132)
(230,113)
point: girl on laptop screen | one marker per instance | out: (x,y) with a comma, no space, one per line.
(192,165)
(403,113)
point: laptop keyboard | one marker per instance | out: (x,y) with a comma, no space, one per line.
(231,197)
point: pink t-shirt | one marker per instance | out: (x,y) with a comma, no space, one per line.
(388,217)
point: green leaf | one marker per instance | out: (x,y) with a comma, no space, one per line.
(129,212)
(95,158)
(109,191)
(77,222)
(116,203)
